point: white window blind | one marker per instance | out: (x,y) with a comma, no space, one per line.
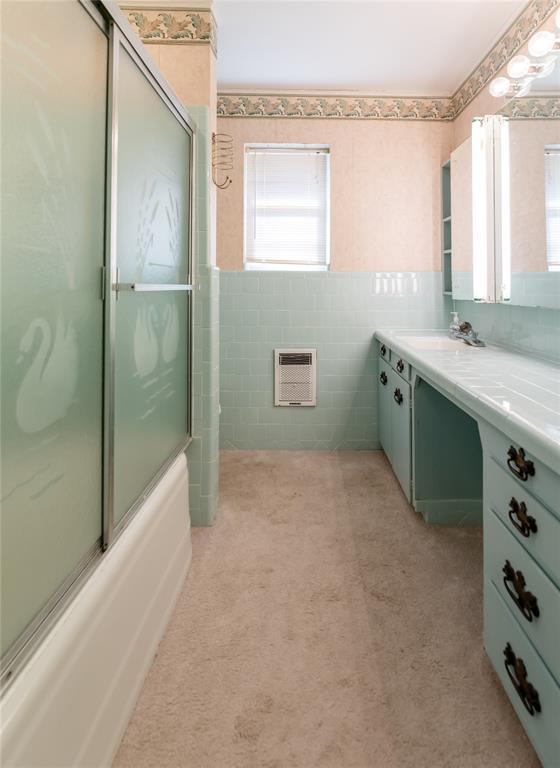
(286,207)
(552,207)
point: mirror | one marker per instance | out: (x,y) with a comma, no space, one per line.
(502,235)
(534,195)
(479,226)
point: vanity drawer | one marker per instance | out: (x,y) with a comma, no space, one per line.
(401,428)
(527,471)
(532,524)
(400,365)
(385,407)
(508,565)
(502,632)
(384,351)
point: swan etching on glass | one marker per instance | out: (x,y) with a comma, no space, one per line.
(170,340)
(146,350)
(48,387)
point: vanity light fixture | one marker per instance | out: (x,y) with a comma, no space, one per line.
(544,50)
(542,43)
(519,66)
(500,87)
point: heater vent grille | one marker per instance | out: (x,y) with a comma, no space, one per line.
(295,377)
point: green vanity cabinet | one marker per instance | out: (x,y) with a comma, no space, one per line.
(401,431)
(529,684)
(394,404)
(384,408)
(521,585)
(484,449)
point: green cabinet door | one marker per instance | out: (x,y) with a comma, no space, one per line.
(384,408)
(399,395)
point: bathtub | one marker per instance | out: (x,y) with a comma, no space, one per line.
(71,703)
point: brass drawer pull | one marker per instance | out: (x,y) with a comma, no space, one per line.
(525,524)
(400,366)
(383,350)
(524,600)
(397,396)
(517,672)
(383,378)
(519,465)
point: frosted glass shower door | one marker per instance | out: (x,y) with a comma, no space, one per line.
(153,261)
(54,86)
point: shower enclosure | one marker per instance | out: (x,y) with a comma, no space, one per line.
(97,159)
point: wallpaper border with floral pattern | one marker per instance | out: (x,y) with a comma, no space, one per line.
(533,108)
(185,25)
(333,107)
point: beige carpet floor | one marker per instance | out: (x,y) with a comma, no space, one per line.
(324,624)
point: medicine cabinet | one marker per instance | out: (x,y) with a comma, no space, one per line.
(503,198)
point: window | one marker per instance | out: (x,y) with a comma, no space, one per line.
(287,207)
(552,207)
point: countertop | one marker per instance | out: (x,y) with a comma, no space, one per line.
(516,393)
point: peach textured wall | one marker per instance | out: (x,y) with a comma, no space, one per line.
(483,104)
(385,189)
(190,68)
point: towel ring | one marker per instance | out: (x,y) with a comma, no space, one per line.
(222,159)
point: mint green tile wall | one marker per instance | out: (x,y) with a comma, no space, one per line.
(336,312)
(527,329)
(202,454)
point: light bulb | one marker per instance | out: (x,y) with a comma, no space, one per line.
(518,66)
(499,87)
(542,43)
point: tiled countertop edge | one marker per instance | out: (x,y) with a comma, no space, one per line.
(535,441)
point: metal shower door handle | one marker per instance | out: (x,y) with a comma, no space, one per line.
(140,287)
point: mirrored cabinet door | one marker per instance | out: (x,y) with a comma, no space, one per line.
(505,210)
(534,191)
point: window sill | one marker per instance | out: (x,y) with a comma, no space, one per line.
(253,267)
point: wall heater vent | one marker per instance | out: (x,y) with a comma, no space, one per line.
(295,376)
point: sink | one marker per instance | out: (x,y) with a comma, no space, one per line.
(437,343)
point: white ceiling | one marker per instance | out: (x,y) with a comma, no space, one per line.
(380,47)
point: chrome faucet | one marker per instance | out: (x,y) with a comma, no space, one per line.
(464,331)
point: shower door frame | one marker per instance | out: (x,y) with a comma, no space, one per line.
(127,39)
(109,18)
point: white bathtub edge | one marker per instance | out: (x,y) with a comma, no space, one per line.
(71,704)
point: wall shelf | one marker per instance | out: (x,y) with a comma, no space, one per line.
(446,238)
